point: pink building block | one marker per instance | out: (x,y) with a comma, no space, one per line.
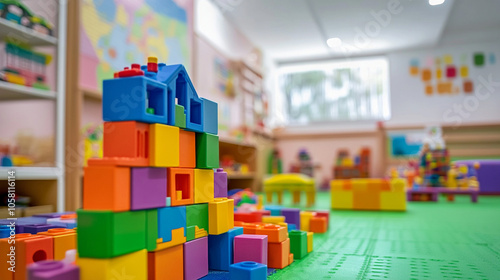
(220,183)
(250,247)
(148,187)
(53,270)
(196,258)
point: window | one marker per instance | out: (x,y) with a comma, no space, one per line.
(333,91)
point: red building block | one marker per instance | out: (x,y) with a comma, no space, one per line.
(180,186)
(254,217)
(325,214)
(128,139)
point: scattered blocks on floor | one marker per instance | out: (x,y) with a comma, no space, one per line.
(66,221)
(207,150)
(252,217)
(196,258)
(163,145)
(220,183)
(53,270)
(309,242)
(203,185)
(292,216)
(220,215)
(298,243)
(165,262)
(318,225)
(273,219)
(250,247)
(64,239)
(180,187)
(220,249)
(275,209)
(148,188)
(106,188)
(275,233)
(129,266)
(278,254)
(248,271)
(305,218)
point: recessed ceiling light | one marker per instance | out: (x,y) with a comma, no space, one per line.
(435,2)
(334,42)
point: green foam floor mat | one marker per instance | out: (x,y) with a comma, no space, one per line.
(443,240)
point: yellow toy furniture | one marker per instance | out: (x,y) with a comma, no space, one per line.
(294,183)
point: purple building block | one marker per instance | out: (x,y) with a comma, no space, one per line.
(53,270)
(488,175)
(34,229)
(196,258)
(220,183)
(292,216)
(53,215)
(148,188)
(250,247)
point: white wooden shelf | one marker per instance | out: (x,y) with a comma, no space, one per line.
(25,35)
(31,173)
(10,91)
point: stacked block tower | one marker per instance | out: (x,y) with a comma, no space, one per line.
(151,202)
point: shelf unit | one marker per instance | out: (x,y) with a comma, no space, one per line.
(45,185)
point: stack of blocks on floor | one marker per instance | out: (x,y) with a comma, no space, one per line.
(369,194)
(149,205)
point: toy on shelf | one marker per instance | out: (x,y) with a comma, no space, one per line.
(93,142)
(294,183)
(304,164)
(232,167)
(347,168)
(16,11)
(23,66)
(275,163)
(488,174)
(434,166)
(369,194)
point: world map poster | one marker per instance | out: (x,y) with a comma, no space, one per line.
(117,33)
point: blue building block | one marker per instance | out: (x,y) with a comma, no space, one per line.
(248,271)
(137,98)
(4,231)
(275,209)
(170,218)
(34,229)
(291,227)
(210,117)
(177,80)
(220,249)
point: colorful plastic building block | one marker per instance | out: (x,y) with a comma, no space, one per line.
(207,150)
(67,221)
(274,209)
(220,183)
(250,247)
(196,220)
(253,217)
(220,215)
(277,256)
(151,229)
(298,243)
(292,216)
(275,233)
(34,229)
(305,218)
(148,187)
(106,188)
(220,249)
(196,258)
(187,149)
(248,271)
(64,240)
(309,242)
(203,185)
(180,187)
(53,270)
(169,219)
(210,117)
(135,148)
(325,214)
(28,249)
(111,234)
(273,219)
(4,231)
(129,266)
(318,225)
(180,116)
(166,263)
(163,145)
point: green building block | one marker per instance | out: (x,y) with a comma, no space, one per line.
(207,150)
(479,59)
(298,243)
(180,117)
(197,215)
(104,234)
(151,229)
(190,233)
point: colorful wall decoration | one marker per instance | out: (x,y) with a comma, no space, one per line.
(449,75)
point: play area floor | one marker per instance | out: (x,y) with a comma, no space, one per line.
(443,240)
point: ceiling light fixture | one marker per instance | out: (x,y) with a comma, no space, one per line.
(436,2)
(334,42)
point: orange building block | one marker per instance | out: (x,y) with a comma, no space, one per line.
(290,258)
(64,240)
(106,188)
(278,253)
(28,249)
(180,187)
(127,139)
(275,233)
(318,224)
(366,200)
(166,264)
(187,149)
(248,228)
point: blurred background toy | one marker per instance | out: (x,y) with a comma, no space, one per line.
(348,168)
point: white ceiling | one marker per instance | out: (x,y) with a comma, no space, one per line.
(294,30)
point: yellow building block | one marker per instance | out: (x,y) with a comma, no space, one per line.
(305,217)
(398,185)
(203,185)
(273,219)
(64,240)
(163,145)
(130,266)
(337,185)
(285,225)
(177,239)
(310,242)
(220,215)
(395,201)
(342,199)
(360,185)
